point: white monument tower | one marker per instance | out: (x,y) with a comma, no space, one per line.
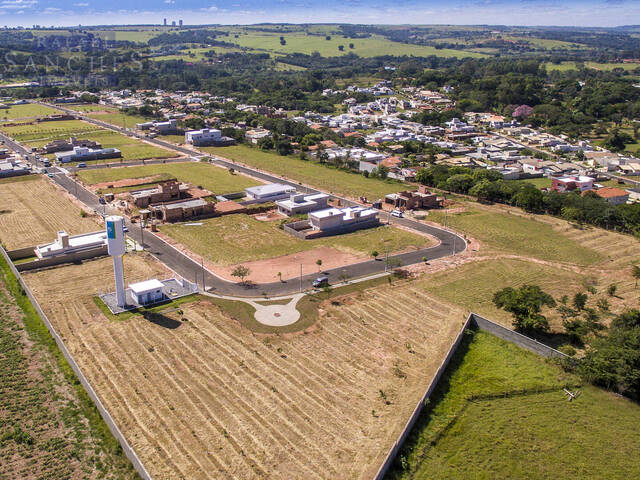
(116,248)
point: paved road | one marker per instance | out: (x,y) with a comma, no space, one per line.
(449,243)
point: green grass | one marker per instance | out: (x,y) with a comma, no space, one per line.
(542,182)
(472,285)
(233,239)
(308,172)
(210,177)
(119,119)
(533,435)
(565,66)
(29,110)
(298,42)
(40,134)
(90,108)
(518,235)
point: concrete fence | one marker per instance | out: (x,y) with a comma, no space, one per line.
(106,416)
(480,323)
(62,259)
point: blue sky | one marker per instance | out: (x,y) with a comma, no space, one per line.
(462,12)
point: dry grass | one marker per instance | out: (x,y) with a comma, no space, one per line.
(34,210)
(210,399)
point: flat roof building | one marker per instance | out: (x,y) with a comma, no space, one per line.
(147,292)
(299,203)
(66,244)
(343,219)
(270,192)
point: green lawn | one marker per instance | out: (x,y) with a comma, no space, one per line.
(518,235)
(40,134)
(299,42)
(210,177)
(88,108)
(310,173)
(119,119)
(233,239)
(542,182)
(532,436)
(564,66)
(29,110)
(472,285)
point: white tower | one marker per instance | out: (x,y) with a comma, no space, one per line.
(116,248)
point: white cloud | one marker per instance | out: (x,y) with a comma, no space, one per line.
(17,4)
(169,2)
(80,4)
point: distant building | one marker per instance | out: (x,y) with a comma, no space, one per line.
(66,245)
(80,154)
(180,22)
(65,146)
(165,22)
(421,198)
(255,135)
(13,168)
(613,195)
(568,184)
(340,220)
(207,137)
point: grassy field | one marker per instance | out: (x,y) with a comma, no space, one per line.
(48,426)
(119,119)
(38,135)
(89,108)
(216,179)
(517,234)
(542,182)
(233,239)
(200,396)
(375,45)
(307,172)
(564,66)
(472,285)
(33,211)
(26,111)
(533,436)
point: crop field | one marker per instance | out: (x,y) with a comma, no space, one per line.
(199,396)
(46,430)
(538,435)
(530,235)
(26,111)
(232,239)
(297,42)
(213,178)
(307,172)
(33,211)
(38,135)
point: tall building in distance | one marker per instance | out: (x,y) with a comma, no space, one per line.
(173,24)
(180,22)
(165,22)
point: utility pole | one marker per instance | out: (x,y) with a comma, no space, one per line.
(141,234)
(204,285)
(386,257)
(454,243)
(300,278)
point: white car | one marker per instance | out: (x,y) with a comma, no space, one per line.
(396,213)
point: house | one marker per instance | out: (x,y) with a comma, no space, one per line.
(270,192)
(13,168)
(257,134)
(613,195)
(80,154)
(299,203)
(147,292)
(419,199)
(65,146)
(342,220)
(68,245)
(181,210)
(568,184)
(207,137)
(163,192)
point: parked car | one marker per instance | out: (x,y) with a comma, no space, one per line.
(320,282)
(82,165)
(396,213)
(50,175)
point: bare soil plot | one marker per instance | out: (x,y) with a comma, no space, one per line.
(209,399)
(32,211)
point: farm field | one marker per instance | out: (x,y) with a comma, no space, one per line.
(216,179)
(332,180)
(33,211)
(207,398)
(535,436)
(48,428)
(298,42)
(26,111)
(39,135)
(526,235)
(233,239)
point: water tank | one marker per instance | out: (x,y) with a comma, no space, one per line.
(115,235)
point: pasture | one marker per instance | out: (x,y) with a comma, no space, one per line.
(536,435)
(26,111)
(34,210)
(308,172)
(233,239)
(38,135)
(217,180)
(299,42)
(199,396)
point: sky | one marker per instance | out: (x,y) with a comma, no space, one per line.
(603,13)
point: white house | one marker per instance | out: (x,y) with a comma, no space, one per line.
(65,244)
(147,292)
(270,192)
(343,218)
(300,203)
(202,137)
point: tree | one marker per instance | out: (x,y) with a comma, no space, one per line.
(351,45)
(635,273)
(580,300)
(375,254)
(341,48)
(525,303)
(611,289)
(319,263)
(241,272)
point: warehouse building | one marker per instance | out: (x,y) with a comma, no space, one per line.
(81,154)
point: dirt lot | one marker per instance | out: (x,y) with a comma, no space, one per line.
(210,399)
(33,210)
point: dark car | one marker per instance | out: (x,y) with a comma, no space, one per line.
(320,282)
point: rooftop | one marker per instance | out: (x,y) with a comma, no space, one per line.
(145,286)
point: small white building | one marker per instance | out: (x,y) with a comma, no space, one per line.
(65,244)
(350,218)
(298,203)
(202,137)
(270,192)
(147,292)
